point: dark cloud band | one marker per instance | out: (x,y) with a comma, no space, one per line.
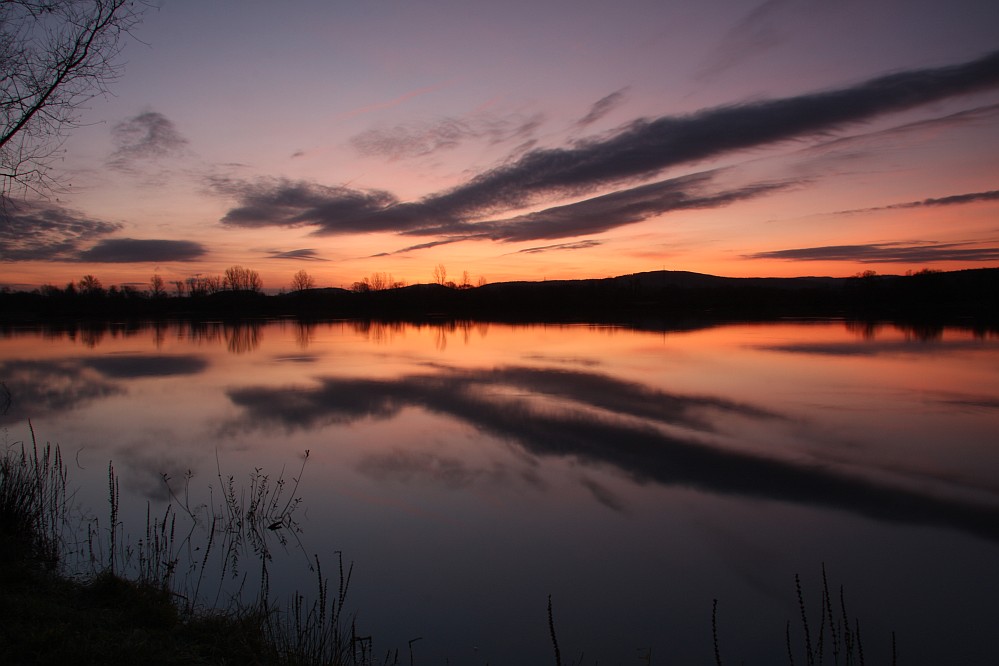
(130,250)
(875,253)
(639,151)
(40,231)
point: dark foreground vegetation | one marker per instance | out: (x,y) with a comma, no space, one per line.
(131,605)
(966,297)
(141,602)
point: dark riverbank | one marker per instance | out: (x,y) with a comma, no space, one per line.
(968,297)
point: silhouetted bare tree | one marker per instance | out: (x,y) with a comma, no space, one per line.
(54,56)
(157,286)
(440,274)
(301,281)
(91,286)
(237,278)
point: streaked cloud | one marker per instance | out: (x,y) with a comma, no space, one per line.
(757,32)
(145,137)
(285,203)
(874,253)
(952,200)
(580,245)
(131,250)
(43,231)
(638,152)
(307,254)
(617,209)
(602,107)
(421,139)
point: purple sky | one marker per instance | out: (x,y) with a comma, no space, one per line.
(530,140)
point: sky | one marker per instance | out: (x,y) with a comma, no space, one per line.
(529,141)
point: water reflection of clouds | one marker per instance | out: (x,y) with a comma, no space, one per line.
(134,366)
(299,358)
(602,494)
(472,396)
(449,471)
(974,402)
(616,424)
(564,360)
(145,463)
(43,387)
(39,388)
(876,347)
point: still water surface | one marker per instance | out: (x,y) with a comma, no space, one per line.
(470,471)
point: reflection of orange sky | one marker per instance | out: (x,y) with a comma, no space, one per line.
(827,385)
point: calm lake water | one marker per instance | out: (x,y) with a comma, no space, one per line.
(469,471)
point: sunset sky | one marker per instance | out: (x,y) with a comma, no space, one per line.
(530,140)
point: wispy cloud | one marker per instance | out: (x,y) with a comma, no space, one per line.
(421,139)
(616,209)
(41,231)
(756,32)
(638,152)
(306,253)
(952,200)
(131,250)
(145,137)
(873,253)
(579,245)
(602,107)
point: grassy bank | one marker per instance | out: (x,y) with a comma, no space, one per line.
(131,607)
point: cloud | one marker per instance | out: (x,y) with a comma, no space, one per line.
(646,147)
(602,107)
(301,203)
(421,139)
(41,231)
(580,245)
(755,33)
(637,152)
(306,253)
(286,203)
(145,137)
(952,200)
(132,251)
(425,246)
(616,209)
(873,253)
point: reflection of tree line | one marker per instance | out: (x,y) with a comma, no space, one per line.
(384,332)
(238,336)
(915,331)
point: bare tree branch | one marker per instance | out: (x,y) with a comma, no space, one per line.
(54,56)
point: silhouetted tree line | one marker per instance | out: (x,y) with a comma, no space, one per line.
(957,296)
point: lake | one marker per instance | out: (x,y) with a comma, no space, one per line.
(470,470)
